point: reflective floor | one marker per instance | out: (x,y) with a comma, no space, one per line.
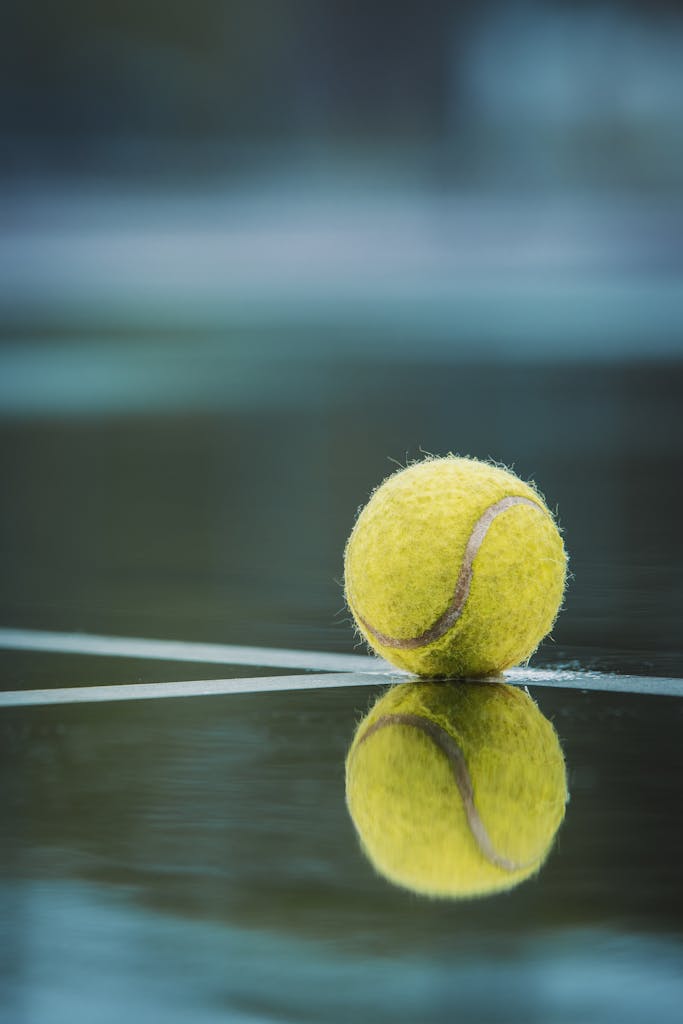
(193,859)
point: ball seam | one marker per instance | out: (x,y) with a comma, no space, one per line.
(450,616)
(456,759)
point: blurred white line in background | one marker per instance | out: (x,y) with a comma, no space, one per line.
(178,650)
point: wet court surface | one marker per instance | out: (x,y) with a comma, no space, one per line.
(193,858)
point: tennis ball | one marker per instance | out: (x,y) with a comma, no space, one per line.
(455,567)
(456,789)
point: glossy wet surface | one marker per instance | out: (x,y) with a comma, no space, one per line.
(192,859)
(195,857)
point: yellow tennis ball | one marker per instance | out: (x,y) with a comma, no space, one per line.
(455,567)
(456,789)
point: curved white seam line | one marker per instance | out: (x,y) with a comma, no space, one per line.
(462,587)
(456,759)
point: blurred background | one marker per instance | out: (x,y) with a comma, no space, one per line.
(253,253)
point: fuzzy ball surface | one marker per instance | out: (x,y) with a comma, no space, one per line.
(455,567)
(456,789)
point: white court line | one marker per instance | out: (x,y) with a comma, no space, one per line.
(348,670)
(191,688)
(178,650)
(321,681)
(604,682)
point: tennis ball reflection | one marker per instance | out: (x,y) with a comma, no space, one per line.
(456,789)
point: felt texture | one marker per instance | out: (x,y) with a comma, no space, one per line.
(423,538)
(407,804)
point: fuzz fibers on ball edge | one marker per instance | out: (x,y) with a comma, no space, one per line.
(455,567)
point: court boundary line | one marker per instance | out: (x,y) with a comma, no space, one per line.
(189,688)
(181,650)
(323,670)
